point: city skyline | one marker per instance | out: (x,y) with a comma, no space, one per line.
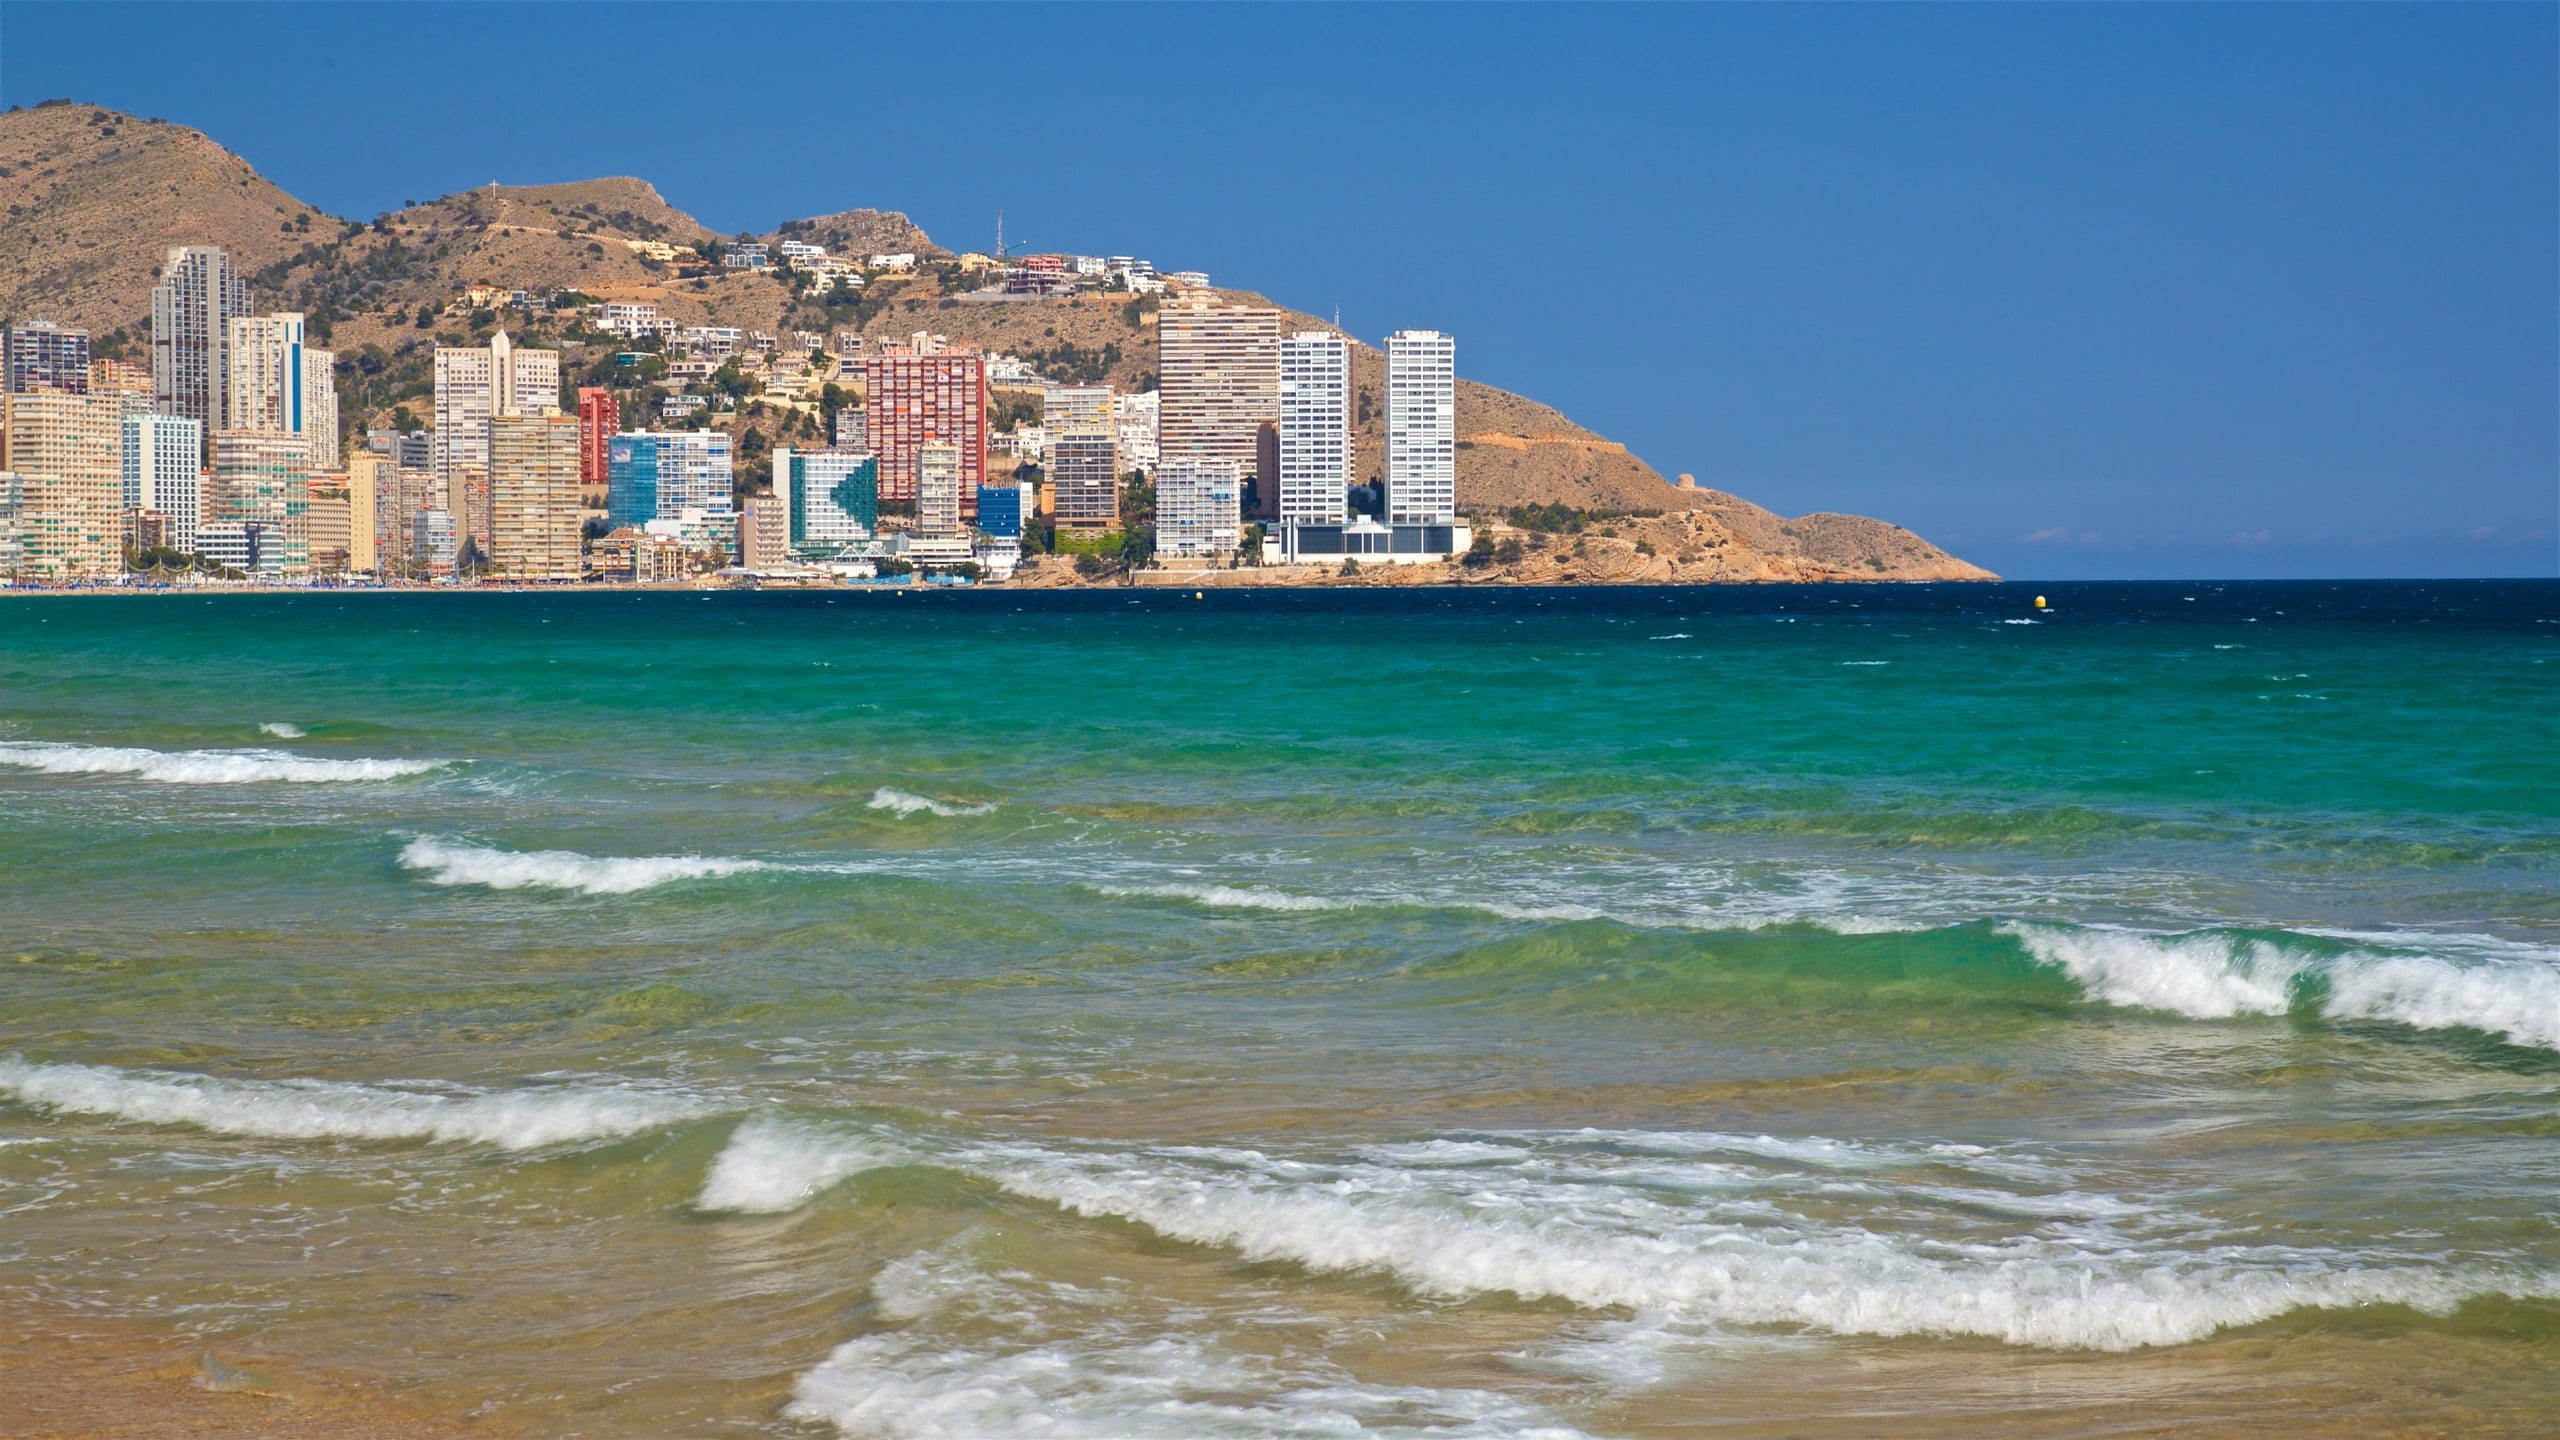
(2171,292)
(99,482)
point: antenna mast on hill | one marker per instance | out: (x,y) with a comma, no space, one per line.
(999,233)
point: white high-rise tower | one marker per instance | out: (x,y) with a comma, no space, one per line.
(274,382)
(1422,428)
(164,473)
(1315,427)
(262,373)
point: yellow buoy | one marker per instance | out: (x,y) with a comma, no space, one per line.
(2039,602)
(1198,595)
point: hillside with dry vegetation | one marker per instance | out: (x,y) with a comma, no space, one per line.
(95,198)
(862,233)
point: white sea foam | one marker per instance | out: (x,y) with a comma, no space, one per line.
(903,803)
(2207,976)
(2509,991)
(770,1166)
(1811,1151)
(2517,1000)
(1624,1356)
(1230,897)
(1440,1151)
(1601,1242)
(283,730)
(202,767)
(453,862)
(1500,909)
(1258,897)
(1717,1230)
(1668,897)
(329,1109)
(999,1350)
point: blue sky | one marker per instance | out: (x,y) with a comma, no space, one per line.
(2073,290)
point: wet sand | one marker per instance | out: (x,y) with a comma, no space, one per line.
(86,1378)
(79,1377)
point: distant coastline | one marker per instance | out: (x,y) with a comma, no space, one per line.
(597,306)
(1246,579)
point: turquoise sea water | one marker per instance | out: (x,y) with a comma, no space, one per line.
(1796,1010)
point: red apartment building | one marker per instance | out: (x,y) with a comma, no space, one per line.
(599,416)
(910,399)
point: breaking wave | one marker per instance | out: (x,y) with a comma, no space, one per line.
(2502,989)
(453,862)
(903,803)
(283,730)
(2217,975)
(202,767)
(1607,1247)
(1699,1227)
(331,1109)
(770,1166)
(2519,1001)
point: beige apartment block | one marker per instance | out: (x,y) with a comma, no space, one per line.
(66,451)
(535,507)
(132,383)
(1075,406)
(1218,380)
(329,526)
(474,387)
(365,474)
(937,491)
(384,500)
(764,533)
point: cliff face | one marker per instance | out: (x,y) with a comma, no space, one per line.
(94,199)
